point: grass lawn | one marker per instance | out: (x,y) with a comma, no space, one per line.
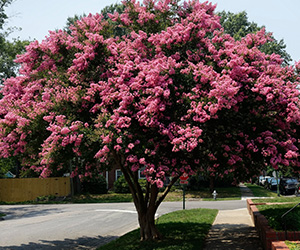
(276,207)
(184,230)
(281,199)
(101,198)
(292,245)
(226,193)
(259,191)
(203,194)
(274,212)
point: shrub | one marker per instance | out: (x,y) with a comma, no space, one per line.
(196,182)
(121,186)
(97,185)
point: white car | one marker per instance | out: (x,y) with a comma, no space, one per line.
(262,180)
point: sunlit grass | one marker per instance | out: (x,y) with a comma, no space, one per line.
(224,193)
(293,245)
(259,191)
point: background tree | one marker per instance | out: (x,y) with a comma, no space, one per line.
(238,26)
(175,94)
(8,49)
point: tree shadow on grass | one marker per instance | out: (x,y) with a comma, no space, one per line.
(66,244)
(176,235)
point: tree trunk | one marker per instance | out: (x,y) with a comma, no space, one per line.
(18,168)
(148,229)
(146,204)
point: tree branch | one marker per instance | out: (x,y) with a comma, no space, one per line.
(120,164)
(167,190)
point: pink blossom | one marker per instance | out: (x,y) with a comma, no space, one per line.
(142,161)
(130,145)
(291,154)
(65,130)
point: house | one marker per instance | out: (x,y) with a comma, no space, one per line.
(113,174)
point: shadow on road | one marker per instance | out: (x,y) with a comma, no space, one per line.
(76,244)
(27,211)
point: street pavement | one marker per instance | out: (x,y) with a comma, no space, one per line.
(69,226)
(87,226)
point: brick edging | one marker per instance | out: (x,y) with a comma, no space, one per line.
(266,234)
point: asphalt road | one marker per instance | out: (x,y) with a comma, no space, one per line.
(80,226)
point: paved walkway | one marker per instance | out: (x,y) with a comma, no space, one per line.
(234,229)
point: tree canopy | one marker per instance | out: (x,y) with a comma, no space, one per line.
(238,26)
(8,49)
(175,94)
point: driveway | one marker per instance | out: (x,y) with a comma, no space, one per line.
(79,226)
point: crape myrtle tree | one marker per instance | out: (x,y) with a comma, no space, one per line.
(8,68)
(175,94)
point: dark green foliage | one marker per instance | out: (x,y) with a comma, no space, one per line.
(3,16)
(8,52)
(197,182)
(238,26)
(7,164)
(8,49)
(112,9)
(122,187)
(97,185)
(72,21)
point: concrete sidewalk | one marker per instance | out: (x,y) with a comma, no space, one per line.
(234,229)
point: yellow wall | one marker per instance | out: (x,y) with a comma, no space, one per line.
(25,189)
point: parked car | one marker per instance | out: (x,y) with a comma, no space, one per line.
(288,185)
(262,180)
(272,183)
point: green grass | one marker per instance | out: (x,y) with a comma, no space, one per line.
(259,191)
(292,245)
(2,215)
(224,193)
(281,199)
(227,193)
(184,230)
(274,212)
(102,198)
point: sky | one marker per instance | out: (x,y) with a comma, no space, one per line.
(37,17)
